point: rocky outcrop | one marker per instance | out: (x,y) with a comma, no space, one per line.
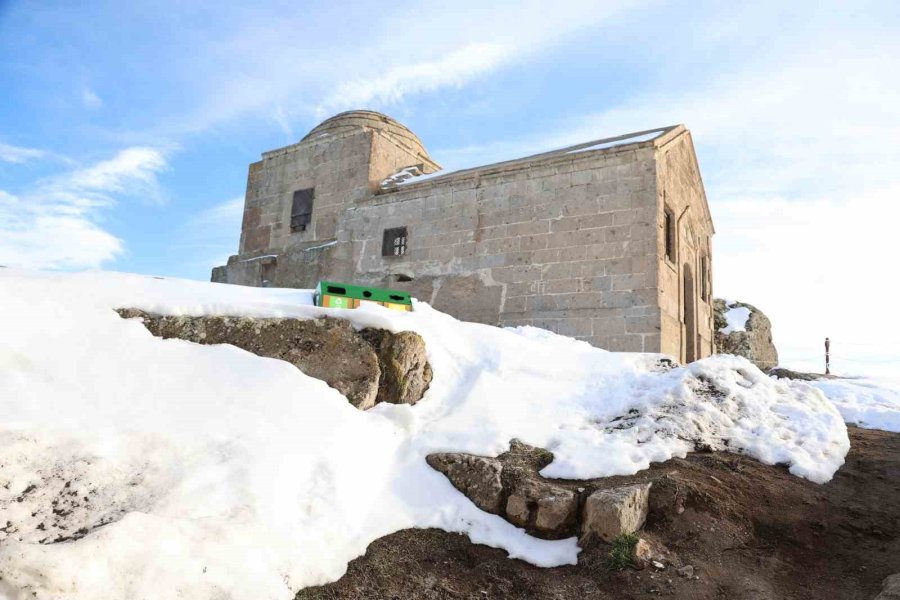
(890,588)
(393,370)
(743,330)
(511,487)
(614,512)
(478,477)
(405,372)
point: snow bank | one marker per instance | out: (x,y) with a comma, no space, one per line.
(865,402)
(136,467)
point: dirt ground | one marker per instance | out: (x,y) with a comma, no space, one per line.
(751,532)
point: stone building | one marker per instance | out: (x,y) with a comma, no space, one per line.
(607,241)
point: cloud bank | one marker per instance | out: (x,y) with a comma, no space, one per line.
(59,224)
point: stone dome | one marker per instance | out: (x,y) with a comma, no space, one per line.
(351,120)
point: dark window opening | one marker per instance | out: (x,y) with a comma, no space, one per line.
(394,242)
(704,278)
(301,209)
(670,235)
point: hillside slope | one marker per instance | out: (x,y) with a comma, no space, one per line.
(134,466)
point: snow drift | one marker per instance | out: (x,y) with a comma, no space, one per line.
(136,467)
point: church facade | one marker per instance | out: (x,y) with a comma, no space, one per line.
(607,241)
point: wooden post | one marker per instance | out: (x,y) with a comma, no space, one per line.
(827,356)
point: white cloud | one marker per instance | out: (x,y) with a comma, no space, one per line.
(132,170)
(90,99)
(799,156)
(58,224)
(18,155)
(450,70)
(307,60)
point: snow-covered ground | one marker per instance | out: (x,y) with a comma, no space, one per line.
(873,403)
(136,467)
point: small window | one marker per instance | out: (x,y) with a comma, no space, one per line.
(670,234)
(394,243)
(301,209)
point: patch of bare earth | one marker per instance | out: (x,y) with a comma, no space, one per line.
(750,531)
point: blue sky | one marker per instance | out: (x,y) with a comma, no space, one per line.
(126,128)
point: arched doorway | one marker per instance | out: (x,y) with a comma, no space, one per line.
(690,316)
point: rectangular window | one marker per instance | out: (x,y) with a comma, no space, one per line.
(301,209)
(670,235)
(704,278)
(394,242)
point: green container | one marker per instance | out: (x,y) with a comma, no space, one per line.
(332,294)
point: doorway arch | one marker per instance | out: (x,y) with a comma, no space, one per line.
(690,316)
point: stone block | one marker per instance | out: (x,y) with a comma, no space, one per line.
(610,513)
(646,324)
(546,510)
(607,326)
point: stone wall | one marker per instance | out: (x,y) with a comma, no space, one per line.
(569,241)
(680,189)
(564,243)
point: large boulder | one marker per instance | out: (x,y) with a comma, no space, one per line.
(744,330)
(327,349)
(405,372)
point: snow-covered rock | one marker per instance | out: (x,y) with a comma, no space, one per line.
(743,330)
(206,471)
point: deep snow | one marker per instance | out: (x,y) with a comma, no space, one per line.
(208,472)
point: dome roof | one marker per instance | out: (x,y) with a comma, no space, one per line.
(368,119)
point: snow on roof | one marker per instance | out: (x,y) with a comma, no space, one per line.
(411,175)
(212,472)
(622,140)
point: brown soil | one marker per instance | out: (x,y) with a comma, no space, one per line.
(750,531)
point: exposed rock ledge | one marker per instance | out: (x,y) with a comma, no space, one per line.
(751,338)
(509,486)
(367,367)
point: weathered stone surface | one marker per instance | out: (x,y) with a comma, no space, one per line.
(609,513)
(327,349)
(544,509)
(890,588)
(573,242)
(755,344)
(783,373)
(405,372)
(478,477)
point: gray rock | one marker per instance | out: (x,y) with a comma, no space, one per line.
(890,588)
(612,512)
(544,509)
(478,477)
(755,344)
(686,571)
(405,372)
(327,349)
